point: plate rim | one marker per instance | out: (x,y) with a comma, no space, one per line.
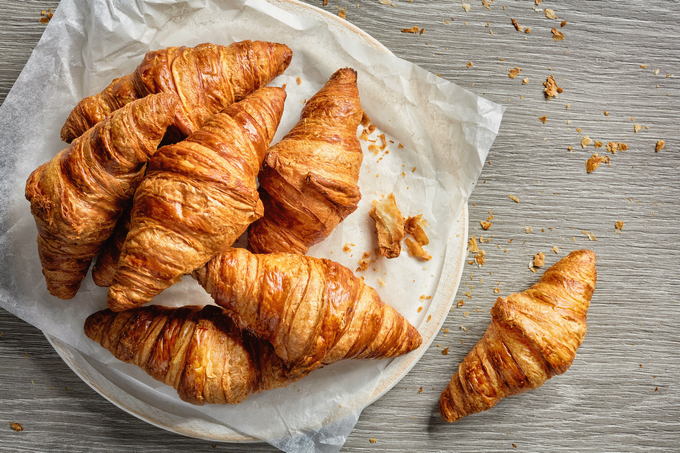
(80,365)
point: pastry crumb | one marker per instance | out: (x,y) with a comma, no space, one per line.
(416,250)
(594,161)
(413,30)
(298,80)
(618,225)
(638,127)
(514,198)
(420,309)
(543,119)
(555,249)
(480,258)
(460,303)
(589,235)
(46,15)
(463,328)
(514,72)
(445,351)
(514,445)
(585,141)
(496,290)
(525,81)
(347,248)
(373,440)
(551,89)
(472,245)
(16,426)
(550,13)
(528,229)
(420,390)
(415,227)
(597,144)
(614,147)
(389,224)
(342,13)
(517,26)
(381,282)
(539,259)
(425,297)
(563,24)
(660,144)
(485,224)
(445,330)
(429,318)
(364,262)
(557,35)
(469,64)
(466,7)
(605,113)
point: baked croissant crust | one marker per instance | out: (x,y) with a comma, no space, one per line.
(77,197)
(308,183)
(532,337)
(105,265)
(313,311)
(207,78)
(197,198)
(196,350)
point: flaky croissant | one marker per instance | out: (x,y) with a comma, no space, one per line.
(77,197)
(313,311)
(532,337)
(207,78)
(308,183)
(106,263)
(198,351)
(197,198)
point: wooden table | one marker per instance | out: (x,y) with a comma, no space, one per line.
(622,392)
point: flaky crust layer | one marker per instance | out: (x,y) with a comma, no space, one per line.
(207,78)
(197,198)
(77,197)
(532,337)
(198,351)
(313,311)
(308,182)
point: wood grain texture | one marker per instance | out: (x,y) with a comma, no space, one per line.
(621,393)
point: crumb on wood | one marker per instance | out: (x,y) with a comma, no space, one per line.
(586,141)
(389,224)
(551,89)
(416,30)
(472,245)
(618,225)
(517,26)
(555,249)
(589,235)
(485,224)
(543,119)
(420,390)
(614,147)
(480,258)
(342,13)
(373,440)
(445,351)
(563,24)
(514,72)
(416,250)
(514,445)
(528,229)
(16,426)
(539,259)
(598,144)
(46,15)
(550,13)
(445,330)
(460,303)
(466,7)
(638,127)
(595,161)
(325,2)
(514,198)
(556,34)
(660,144)
(469,64)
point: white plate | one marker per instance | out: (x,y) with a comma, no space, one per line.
(133,397)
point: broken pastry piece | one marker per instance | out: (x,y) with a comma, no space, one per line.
(532,337)
(415,226)
(416,250)
(389,224)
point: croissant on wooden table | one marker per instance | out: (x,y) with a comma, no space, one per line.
(532,337)
(313,311)
(197,198)
(207,78)
(308,182)
(197,350)
(77,197)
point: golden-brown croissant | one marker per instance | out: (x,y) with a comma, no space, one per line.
(207,78)
(532,337)
(77,197)
(309,179)
(313,311)
(198,351)
(105,265)
(197,198)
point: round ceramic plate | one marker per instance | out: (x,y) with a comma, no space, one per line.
(132,396)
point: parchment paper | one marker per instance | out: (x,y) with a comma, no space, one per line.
(446,133)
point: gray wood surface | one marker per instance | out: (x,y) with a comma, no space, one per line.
(622,392)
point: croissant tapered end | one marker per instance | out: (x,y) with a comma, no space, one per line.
(532,337)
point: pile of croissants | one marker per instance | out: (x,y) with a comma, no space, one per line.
(169,165)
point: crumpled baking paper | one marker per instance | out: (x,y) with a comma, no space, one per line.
(445,133)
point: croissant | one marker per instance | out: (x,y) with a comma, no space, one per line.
(105,265)
(532,337)
(77,197)
(207,78)
(313,311)
(198,351)
(308,183)
(197,198)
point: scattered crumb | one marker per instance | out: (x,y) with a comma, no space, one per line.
(570,148)
(614,147)
(16,426)
(514,72)
(579,130)
(563,24)
(514,198)
(585,141)
(589,235)
(551,89)
(660,144)
(445,351)
(644,66)
(414,30)
(46,15)
(484,240)
(365,120)
(618,225)
(555,249)
(364,262)
(487,3)
(386,2)
(550,13)
(416,250)
(514,445)
(460,303)
(525,81)
(381,282)
(480,257)
(429,317)
(463,328)
(347,248)
(466,7)
(527,30)
(389,224)
(516,24)
(342,13)
(298,80)
(543,119)
(469,64)
(539,259)
(605,113)
(420,390)
(557,35)
(656,389)
(594,161)
(537,2)
(598,144)
(420,309)
(325,2)
(425,297)
(445,330)
(414,226)
(528,229)
(373,440)
(497,290)
(485,224)
(472,245)
(638,127)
